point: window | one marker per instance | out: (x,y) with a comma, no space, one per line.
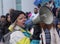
(18,4)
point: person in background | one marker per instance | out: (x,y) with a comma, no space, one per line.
(39,6)
(11,10)
(49,5)
(29,15)
(6,36)
(35,13)
(8,22)
(58,28)
(2,26)
(57,11)
(56,21)
(54,9)
(58,15)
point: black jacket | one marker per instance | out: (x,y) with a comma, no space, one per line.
(36,33)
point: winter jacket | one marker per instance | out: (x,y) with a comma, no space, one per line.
(21,36)
(54,36)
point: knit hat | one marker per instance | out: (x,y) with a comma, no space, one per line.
(15,14)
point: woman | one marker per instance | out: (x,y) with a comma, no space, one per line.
(8,22)
(49,34)
(58,28)
(19,33)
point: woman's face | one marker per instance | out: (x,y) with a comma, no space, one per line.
(8,19)
(21,20)
(58,26)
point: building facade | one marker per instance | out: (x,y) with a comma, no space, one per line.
(24,5)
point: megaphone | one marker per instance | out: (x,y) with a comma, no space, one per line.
(45,15)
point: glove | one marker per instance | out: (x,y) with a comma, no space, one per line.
(32,21)
(28,24)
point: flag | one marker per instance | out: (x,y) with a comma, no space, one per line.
(42,2)
(57,3)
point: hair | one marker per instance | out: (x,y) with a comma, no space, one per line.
(50,1)
(39,5)
(7,16)
(35,8)
(3,16)
(15,14)
(11,11)
(44,26)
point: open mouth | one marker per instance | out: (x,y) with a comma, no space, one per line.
(23,23)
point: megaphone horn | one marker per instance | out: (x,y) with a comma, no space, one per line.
(46,15)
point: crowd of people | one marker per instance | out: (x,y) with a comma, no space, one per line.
(40,33)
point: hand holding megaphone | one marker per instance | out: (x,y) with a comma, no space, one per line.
(30,22)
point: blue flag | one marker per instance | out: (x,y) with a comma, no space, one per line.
(37,2)
(57,3)
(42,2)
